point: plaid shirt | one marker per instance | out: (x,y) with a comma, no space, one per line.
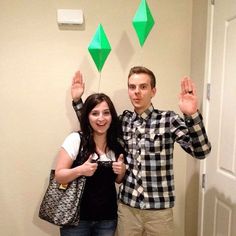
(149,141)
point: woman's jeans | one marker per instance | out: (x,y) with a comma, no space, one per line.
(91,228)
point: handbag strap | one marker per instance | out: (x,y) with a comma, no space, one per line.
(79,160)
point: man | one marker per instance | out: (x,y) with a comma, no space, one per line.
(147,193)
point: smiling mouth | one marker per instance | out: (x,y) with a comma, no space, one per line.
(101,125)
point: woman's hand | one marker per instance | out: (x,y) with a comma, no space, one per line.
(119,168)
(88,168)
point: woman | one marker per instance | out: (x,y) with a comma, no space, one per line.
(102,165)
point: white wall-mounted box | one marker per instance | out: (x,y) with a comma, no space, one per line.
(70,17)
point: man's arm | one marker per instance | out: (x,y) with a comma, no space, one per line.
(78,108)
(77,90)
(201,145)
(188,104)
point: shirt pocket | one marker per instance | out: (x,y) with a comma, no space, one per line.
(128,141)
(153,142)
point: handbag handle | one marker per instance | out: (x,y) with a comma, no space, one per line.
(79,160)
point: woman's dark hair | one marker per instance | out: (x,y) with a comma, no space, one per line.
(113,132)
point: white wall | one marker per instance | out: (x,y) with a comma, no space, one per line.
(37,62)
(198,51)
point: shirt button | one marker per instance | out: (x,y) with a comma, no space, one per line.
(189,122)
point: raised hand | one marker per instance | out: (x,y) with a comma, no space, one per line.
(77,86)
(188,103)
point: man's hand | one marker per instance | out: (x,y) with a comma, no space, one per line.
(188,103)
(77,86)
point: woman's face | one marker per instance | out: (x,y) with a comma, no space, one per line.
(100,118)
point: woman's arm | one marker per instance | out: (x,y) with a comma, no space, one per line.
(65,174)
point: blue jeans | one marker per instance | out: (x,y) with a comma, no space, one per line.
(91,228)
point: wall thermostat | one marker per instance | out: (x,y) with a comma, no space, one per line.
(70,17)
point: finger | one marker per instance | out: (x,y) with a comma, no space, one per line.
(95,166)
(121,158)
(193,88)
(187,85)
(116,170)
(78,77)
(184,85)
(81,78)
(73,81)
(90,159)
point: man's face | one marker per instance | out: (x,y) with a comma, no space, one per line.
(140,91)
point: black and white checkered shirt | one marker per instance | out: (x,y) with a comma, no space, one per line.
(149,141)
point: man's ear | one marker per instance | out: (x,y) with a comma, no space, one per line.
(154,90)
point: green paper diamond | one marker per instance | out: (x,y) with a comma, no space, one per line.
(143,22)
(99,48)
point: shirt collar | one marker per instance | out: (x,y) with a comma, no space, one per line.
(144,115)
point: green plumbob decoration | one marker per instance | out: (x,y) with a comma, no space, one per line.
(143,22)
(99,48)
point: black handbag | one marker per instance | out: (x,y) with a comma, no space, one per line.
(61,203)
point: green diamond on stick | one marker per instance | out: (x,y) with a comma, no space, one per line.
(143,22)
(99,48)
